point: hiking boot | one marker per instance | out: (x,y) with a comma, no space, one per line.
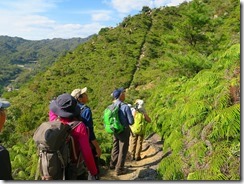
(111,167)
(120,172)
(138,158)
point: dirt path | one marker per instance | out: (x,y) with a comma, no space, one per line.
(144,169)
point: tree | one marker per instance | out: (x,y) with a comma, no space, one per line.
(195,24)
(145,9)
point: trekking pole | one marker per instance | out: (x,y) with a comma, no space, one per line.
(38,168)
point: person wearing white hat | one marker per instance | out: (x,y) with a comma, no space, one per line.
(86,116)
(138,129)
(5,164)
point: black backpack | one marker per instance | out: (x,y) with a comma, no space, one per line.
(56,149)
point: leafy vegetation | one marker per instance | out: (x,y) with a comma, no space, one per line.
(183,61)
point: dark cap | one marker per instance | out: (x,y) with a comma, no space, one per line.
(117,92)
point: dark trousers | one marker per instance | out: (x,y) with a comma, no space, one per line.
(120,149)
(96,159)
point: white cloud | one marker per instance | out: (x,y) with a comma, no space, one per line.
(158,3)
(28,6)
(126,6)
(37,28)
(176,2)
(30,19)
(22,18)
(26,26)
(69,30)
(101,15)
(34,20)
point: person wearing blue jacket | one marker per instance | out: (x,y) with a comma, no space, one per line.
(5,164)
(121,140)
(86,116)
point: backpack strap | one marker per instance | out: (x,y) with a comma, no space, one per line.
(40,171)
(45,173)
(79,160)
(74,124)
(38,168)
(116,104)
(57,118)
(63,164)
(76,157)
(82,108)
(73,147)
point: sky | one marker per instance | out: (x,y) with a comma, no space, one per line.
(47,19)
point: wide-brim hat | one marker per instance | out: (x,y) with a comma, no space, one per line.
(65,106)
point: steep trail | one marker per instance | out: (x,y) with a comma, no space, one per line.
(144,169)
(137,67)
(152,154)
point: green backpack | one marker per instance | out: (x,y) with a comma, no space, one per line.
(139,124)
(111,119)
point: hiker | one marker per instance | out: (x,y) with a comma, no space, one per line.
(138,129)
(121,140)
(65,109)
(86,115)
(5,164)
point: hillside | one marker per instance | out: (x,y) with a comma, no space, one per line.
(21,59)
(183,61)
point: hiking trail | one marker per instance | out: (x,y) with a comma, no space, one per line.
(145,169)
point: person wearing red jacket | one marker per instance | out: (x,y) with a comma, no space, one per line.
(65,109)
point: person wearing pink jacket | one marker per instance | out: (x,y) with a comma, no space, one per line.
(65,109)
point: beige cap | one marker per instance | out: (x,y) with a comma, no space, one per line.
(77,92)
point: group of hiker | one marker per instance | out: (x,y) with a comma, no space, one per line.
(71,109)
(121,142)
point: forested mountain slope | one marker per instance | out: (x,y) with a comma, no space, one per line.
(20,59)
(183,61)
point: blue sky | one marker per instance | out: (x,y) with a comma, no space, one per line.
(47,19)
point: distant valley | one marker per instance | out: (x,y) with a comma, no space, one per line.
(22,59)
